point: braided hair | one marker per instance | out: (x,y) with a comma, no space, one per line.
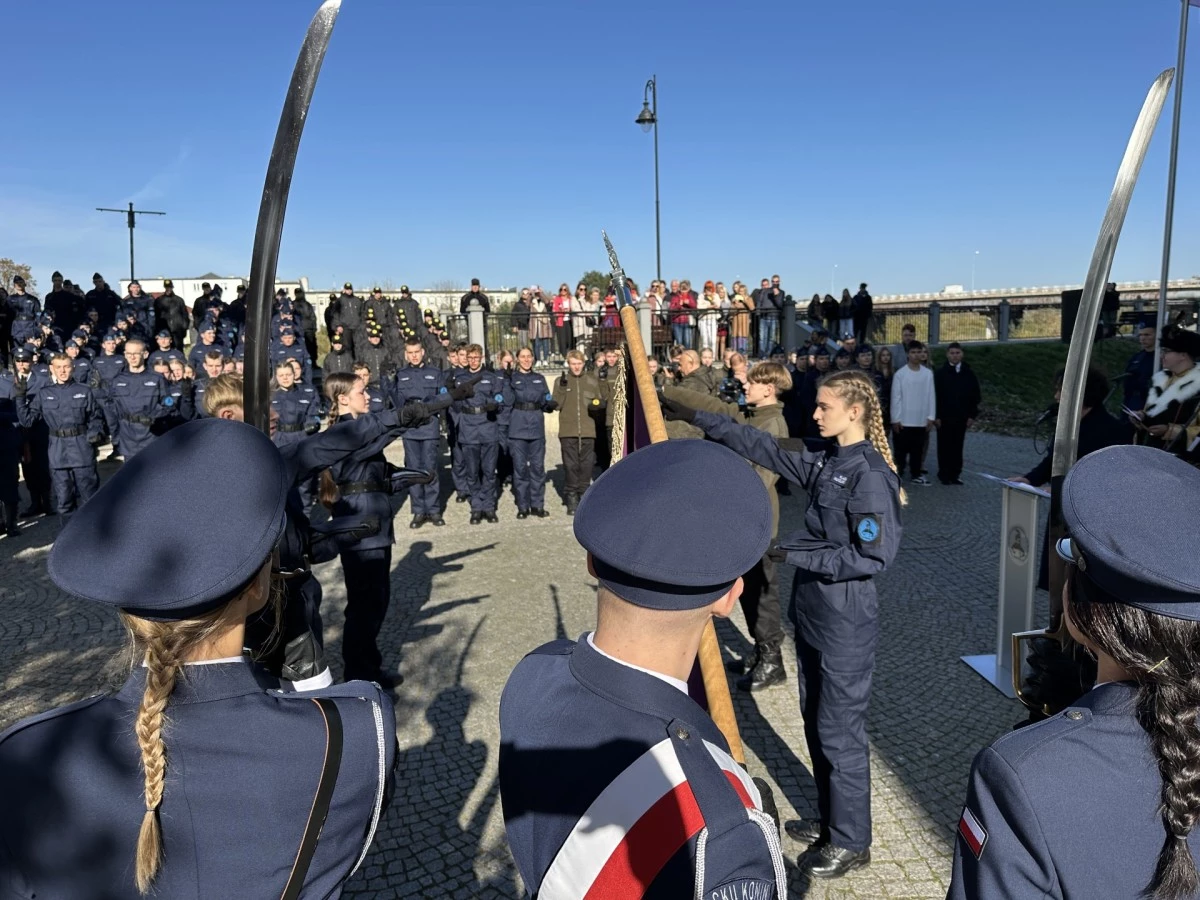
(164,646)
(338,384)
(1163,655)
(856,387)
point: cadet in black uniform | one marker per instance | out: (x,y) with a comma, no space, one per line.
(176,785)
(1101,800)
(479,434)
(338,359)
(852,533)
(35,454)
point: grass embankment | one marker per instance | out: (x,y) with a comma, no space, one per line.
(1017,380)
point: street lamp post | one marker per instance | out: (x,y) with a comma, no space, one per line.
(648,119)
(130,222)
(974,260)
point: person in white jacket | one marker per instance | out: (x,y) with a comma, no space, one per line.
(914,410)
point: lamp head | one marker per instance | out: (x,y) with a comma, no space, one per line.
(646,118)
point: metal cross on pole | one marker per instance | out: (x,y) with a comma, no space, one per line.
(131,213)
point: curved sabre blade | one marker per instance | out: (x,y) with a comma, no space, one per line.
(256,393)
(1066,437)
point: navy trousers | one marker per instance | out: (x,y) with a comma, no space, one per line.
(368,593)
(73,487)
(834,693)
(479,470)
(529,472)
(423,455)
(458,470)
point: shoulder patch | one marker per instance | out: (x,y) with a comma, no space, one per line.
(972,833)
(744,889)
(867,530)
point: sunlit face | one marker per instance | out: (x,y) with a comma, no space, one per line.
(212,367)
(610,357)
(176,369)
(285,376)
(135,355)
(706,357)
(758,393)
(525,359)
(474,360)
(832,415)
(61,370)
(652,365)
(355,402)
(161,367)
(164,343)
(576,366)
(595,295)
(414,354)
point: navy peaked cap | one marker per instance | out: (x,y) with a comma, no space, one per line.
(694,562)
(1149,561)
(127,547)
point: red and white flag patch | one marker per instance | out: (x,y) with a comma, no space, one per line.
(973,834)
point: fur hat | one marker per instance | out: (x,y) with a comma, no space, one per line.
(1181,341)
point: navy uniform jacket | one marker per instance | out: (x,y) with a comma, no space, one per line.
(73,418)
(601,763)
(243,764)
(1067,808)
(851,531)
(26,308)
(476,424)
(530,397)
(199,350)
(10,434)
(135,401)
(367,469)
(280,352)
(169,354)
(81,370)
(1138,372)
(141,306)
(419,384)
(108,368)
(299,411)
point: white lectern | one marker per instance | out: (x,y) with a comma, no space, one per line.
(1020,544)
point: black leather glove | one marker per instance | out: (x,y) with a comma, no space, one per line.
(312,427)
(563,379)
(413,414)
(464,389)
(20,388)
(549,406)
(491,406)
(777,554)
(674,411)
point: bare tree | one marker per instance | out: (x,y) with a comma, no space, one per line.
(10,269)
(446,285)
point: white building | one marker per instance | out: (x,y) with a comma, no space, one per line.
(190,288)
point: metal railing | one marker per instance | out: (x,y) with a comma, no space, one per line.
(757,333)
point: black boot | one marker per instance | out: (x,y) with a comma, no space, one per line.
(766,672)
(10,520)
(742,666)
(572,504)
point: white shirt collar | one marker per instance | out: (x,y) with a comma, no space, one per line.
(209,662)
(673,682)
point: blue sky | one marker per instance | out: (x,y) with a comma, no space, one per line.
(449,140)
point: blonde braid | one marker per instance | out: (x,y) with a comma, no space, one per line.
(856,387)
(164,646)
(162,667)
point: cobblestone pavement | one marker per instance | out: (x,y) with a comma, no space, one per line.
(469,601)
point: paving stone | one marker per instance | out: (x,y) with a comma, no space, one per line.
(469,601)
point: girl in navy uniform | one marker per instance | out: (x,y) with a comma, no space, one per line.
(198,778)
(1102,799)
(359,486)
(296,405)
(852,532)
(527,436)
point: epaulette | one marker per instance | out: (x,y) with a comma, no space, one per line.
(560,647)
(49,714)
(1024,741)
(350,690)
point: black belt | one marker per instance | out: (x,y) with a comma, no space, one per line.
(351,488)
(69,432)
(26,318)
(527,407)
(139,420)
(289,428)
(475,410)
